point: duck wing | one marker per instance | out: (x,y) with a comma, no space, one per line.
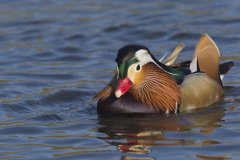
(173,57)
(206,58)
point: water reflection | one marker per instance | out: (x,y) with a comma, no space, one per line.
(136,158)
(218,157)
(139,133)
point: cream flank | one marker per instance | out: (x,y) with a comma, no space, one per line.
(199,91)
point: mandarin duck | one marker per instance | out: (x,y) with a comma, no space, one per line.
(143,84)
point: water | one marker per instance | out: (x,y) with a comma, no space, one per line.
(55,55)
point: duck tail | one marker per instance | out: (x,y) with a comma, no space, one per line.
(206,58)
(224,68)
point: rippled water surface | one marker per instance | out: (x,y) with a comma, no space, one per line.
(55,55)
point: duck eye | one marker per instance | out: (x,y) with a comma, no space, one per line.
(138,67)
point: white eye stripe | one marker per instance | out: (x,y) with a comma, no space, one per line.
(143,57)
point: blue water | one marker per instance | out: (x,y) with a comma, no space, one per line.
(56,54)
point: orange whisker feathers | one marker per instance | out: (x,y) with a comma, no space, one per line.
(157,90)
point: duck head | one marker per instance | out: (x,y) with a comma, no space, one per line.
(145,79)
(130,60)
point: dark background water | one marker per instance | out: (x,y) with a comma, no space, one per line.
(55,55)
